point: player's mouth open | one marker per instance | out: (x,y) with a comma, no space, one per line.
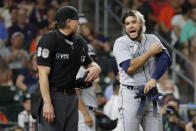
(132,32)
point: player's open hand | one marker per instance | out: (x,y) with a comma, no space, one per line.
(93,73)
(155,48)
(150,84)
(48,112)
(88,119)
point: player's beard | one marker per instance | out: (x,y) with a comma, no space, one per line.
(138,34)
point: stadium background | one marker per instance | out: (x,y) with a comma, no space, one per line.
(100,27)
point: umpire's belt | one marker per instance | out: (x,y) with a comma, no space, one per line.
(65,91)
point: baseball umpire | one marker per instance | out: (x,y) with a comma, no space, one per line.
(142,60)
(60,54)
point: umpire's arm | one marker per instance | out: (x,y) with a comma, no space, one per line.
(48,111)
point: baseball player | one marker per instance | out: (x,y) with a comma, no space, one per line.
(141,59)
(87,101)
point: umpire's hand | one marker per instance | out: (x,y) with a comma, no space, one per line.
(48,112)
(93,73)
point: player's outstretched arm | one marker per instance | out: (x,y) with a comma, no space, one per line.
(138,62)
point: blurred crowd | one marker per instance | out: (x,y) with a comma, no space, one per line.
(23,22)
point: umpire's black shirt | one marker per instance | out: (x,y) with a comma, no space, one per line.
(65,55)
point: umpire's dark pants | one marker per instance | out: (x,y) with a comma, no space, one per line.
(66,113)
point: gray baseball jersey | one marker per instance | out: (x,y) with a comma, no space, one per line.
(88,95)
(89,99)
(125,48)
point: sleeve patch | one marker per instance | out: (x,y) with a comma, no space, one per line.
(45,53)
(39,51)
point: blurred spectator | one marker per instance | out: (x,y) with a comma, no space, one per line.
(22,26)
(3,118)
(102,48)
(13,12)
(166,86)
(50,14)
(192,53)
(27,80)
(144,7)
(178,21)
(157,6)
(83,20)
(26,4)
(164,21)
(87,32)
(34,43)
(191,126)
(3,32)
(100,100)
(54,3)
(116,8)
(166,98)
(17,128)
(39,12)
(42,29)
(5,12)
(192,2)
(65,3)
(172,120)
(110,89)
(188,30)
(14,55)
(25,119)
(5,73)
(111,107)
(190,70)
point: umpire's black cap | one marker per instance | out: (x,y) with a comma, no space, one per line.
(67,12)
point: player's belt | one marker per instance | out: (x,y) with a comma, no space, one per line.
(65,91)
(128,86)
(90,108)
(152,95)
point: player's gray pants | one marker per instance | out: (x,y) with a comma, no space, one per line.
(82,126)
(128,106)
(66,113)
